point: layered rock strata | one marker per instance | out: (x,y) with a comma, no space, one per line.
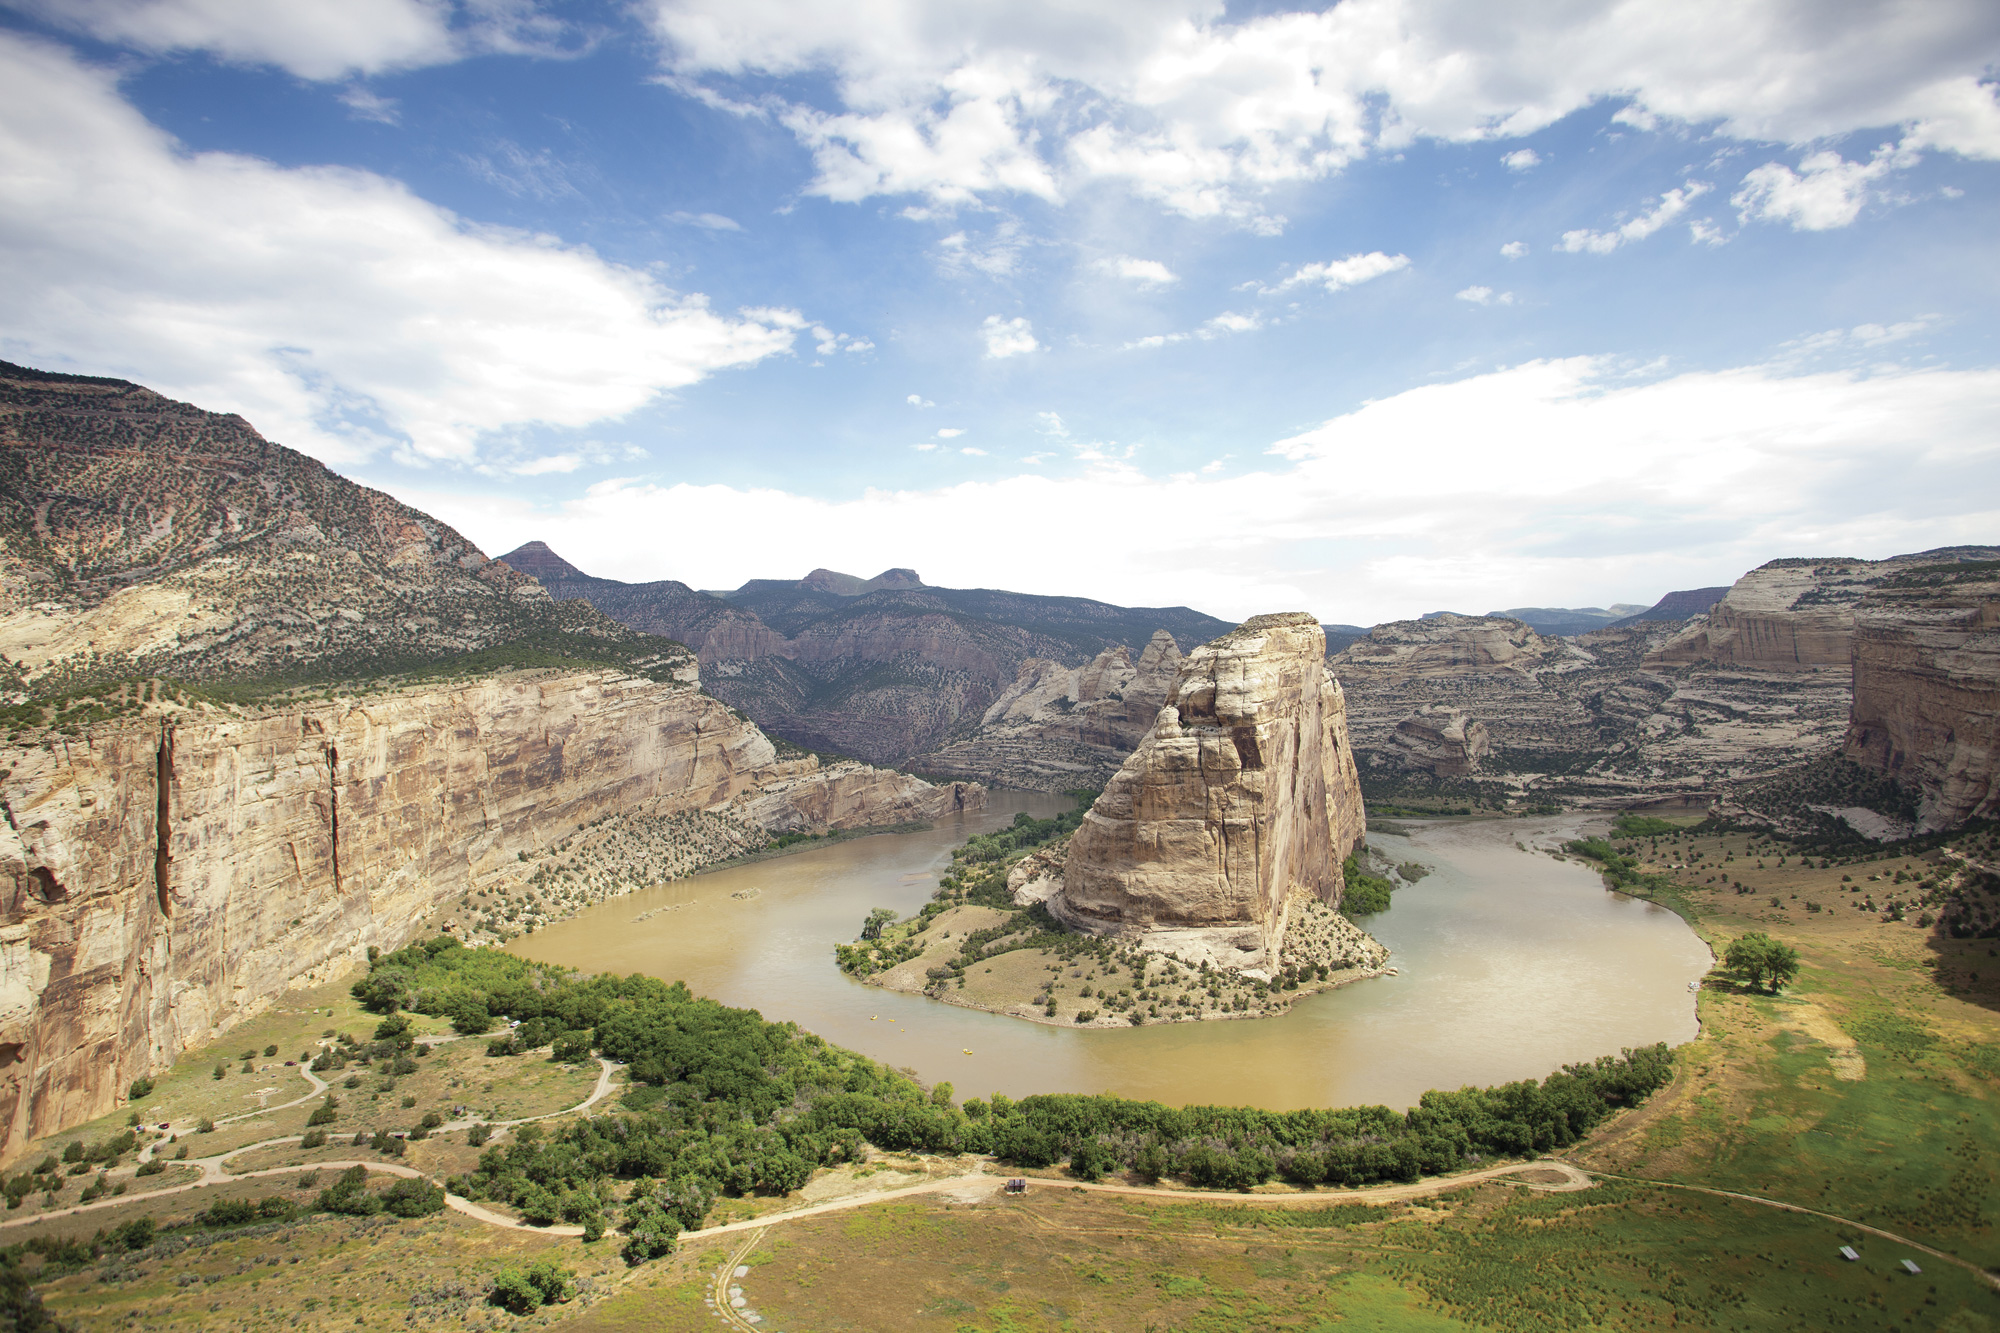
(1794,614)
(1061,728)
(1239,804)
(1441,741)
(167,875)
(1927,689)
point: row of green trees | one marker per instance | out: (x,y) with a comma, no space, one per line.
(728,1103)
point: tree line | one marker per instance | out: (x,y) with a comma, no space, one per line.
(726,1103)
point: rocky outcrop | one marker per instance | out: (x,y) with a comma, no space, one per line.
(1794,615)
(1060,728)
(1239,804)
(1927,688)
(1441,741)
(1449,644)
(168,875)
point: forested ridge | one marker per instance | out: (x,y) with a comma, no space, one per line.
(724,1102)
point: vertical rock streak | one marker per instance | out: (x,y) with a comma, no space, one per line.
(163,824)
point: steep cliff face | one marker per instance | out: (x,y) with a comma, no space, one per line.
(167,875)
(1238,806)
(1797,614)
(1927,689)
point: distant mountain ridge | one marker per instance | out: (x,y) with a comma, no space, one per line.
(883,668)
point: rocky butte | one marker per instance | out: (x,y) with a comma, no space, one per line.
(1230,821)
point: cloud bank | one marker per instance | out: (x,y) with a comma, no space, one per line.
(1561,479)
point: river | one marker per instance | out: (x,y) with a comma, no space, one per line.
(1512,965)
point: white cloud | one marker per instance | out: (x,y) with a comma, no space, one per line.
(1672,204)
(1335,274)
(1145,272)
(950,432)
(1485,296)
(368,106)
(975,453)
(1522,159)
(1008,337)
(314,39)
(1826,192)
(1222,325)
(706,221)
(332,307)
(1514,250)
(926,447)
(919,401)
(1561,479)
(1049,423)
(996,255)
(827,342)
(1206,116)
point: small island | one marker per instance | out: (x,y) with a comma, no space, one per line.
(1207,881)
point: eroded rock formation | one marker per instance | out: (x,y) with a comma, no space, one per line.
(167,875)
(1239,805)
(1060,728)
(1442,741)
(1927,688)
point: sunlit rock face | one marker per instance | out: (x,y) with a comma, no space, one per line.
(164,877)
(1927,688)
(1240,803)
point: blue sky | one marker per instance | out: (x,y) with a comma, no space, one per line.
(1373,310)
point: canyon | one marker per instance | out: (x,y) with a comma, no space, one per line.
(262,720)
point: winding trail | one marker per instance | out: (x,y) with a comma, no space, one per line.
(214,1170)
(971,1185)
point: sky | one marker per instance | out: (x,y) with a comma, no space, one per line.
(1390,307)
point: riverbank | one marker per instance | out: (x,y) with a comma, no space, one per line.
(1019,964)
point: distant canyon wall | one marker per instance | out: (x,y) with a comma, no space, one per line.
(168,876)
(1927,690)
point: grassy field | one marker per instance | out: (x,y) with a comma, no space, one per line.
(1867,1089)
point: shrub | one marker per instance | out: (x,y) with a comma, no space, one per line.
(313,1138)
(523,1291)
(413,1198)
(476,1136)
(141,1088)
(501,1046)
(270,1051)
(572,1047)
(325,1113)
(152,1168)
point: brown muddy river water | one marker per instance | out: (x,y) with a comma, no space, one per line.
(1511,965)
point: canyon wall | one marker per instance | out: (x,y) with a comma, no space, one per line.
(168,875)
(1241,801)
(1927,689)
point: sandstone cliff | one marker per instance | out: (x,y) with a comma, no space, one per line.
(1238,806)
(1795,614)
(1441,741)
(167,875)
(1927,688)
